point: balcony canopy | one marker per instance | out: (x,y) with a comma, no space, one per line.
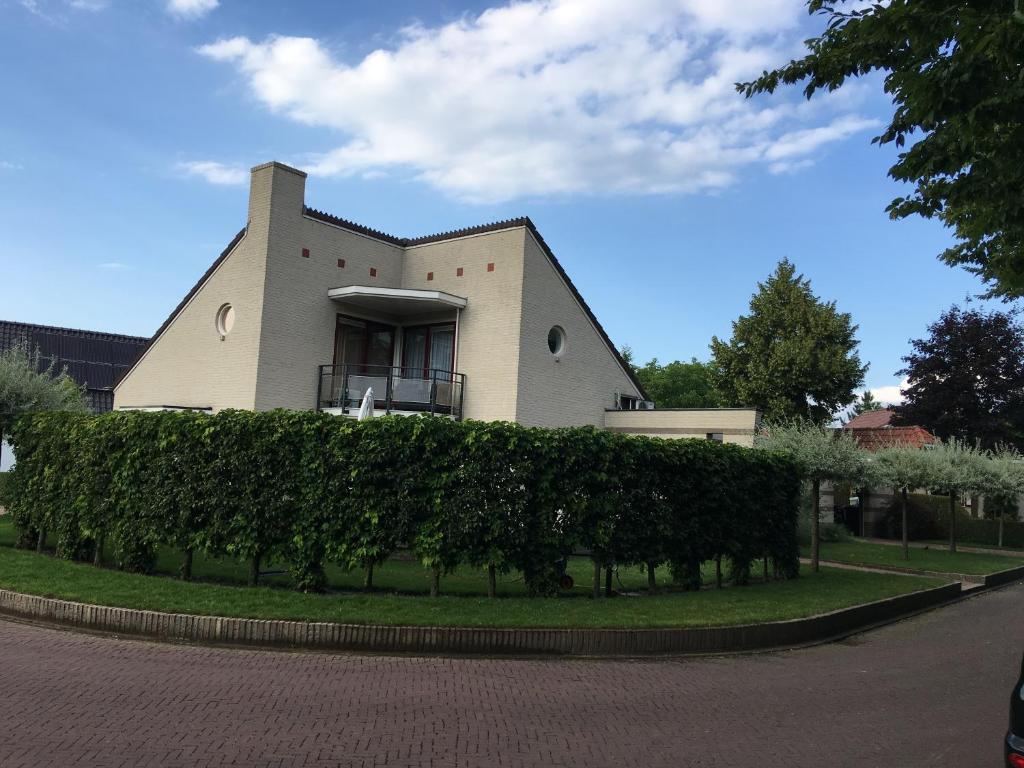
(396,301)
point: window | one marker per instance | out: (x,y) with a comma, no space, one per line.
(428,348)
(628,403)
(225,319)
(718,437)
(556,340)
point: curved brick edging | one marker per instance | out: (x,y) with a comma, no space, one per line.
(324,636)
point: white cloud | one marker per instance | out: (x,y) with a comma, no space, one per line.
(215,173)
(555,97)
(7,165)
(890,394)
(113,266)
(89,5)
(190,9)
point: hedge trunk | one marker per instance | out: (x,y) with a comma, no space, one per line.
(97,555)
(608,581)
(952,521)
(368,581)
(492,581)
(903,516)
(435,581)
(815,524)
(1000,530)
(652,582)
(254,570)
(186,566)
(718,572)
(597,578)
(766,570)
(41,541)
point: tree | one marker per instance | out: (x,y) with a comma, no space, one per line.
(956,467)
(1005,483)
(866,403)
(903,468)
(793,356)
(953,72)
(679,385)
(966,378)
(26,386)
(821,453)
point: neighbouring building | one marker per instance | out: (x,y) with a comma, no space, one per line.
(874,431)
(306,310)
(93,360)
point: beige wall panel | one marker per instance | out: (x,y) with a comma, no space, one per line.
(298,318)
(576,387)
(737,425)
(489,325)
(191,365)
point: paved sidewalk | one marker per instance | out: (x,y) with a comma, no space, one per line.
(929,691)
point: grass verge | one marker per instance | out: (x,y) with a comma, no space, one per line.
(27,572)
(864,553)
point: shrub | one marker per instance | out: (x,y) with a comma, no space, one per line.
(307,488)
(929,519)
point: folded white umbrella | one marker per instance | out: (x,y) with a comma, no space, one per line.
(366,408)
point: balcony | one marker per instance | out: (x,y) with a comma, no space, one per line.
(340,390)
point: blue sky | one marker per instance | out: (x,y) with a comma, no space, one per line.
(127,129)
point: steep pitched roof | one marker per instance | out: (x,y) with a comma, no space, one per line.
(405,242)
(877,438)
(871,419)
(93,359)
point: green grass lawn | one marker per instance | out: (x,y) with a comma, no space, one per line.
(935,559)
(811,594)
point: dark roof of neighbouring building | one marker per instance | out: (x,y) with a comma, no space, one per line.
(872,419)
(92,359)
(877,438)
(404,242)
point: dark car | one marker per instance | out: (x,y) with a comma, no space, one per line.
(1015,736)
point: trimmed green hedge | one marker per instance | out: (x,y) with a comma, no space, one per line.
(928,519)
(3,486)
(307,488)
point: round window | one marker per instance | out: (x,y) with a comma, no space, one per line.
(225,319)
(556,340)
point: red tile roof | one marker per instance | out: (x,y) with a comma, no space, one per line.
(877,438)
(871,419)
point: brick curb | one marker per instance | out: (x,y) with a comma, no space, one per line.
(325,636)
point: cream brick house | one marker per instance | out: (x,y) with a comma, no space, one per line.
(307,310)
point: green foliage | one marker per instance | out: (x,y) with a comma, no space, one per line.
(954,465)
(966,378)
(309,489)
(821,453)
(27,386)
(953,73)
(793,356)
(866,403)
(928,520)
(902,467)
(679,385)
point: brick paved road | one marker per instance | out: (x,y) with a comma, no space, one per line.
(930,691)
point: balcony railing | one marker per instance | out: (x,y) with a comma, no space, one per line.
(395,389)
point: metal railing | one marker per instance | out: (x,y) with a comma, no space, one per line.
(395,388)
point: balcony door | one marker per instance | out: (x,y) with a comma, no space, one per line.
(428,350)
(367,347)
